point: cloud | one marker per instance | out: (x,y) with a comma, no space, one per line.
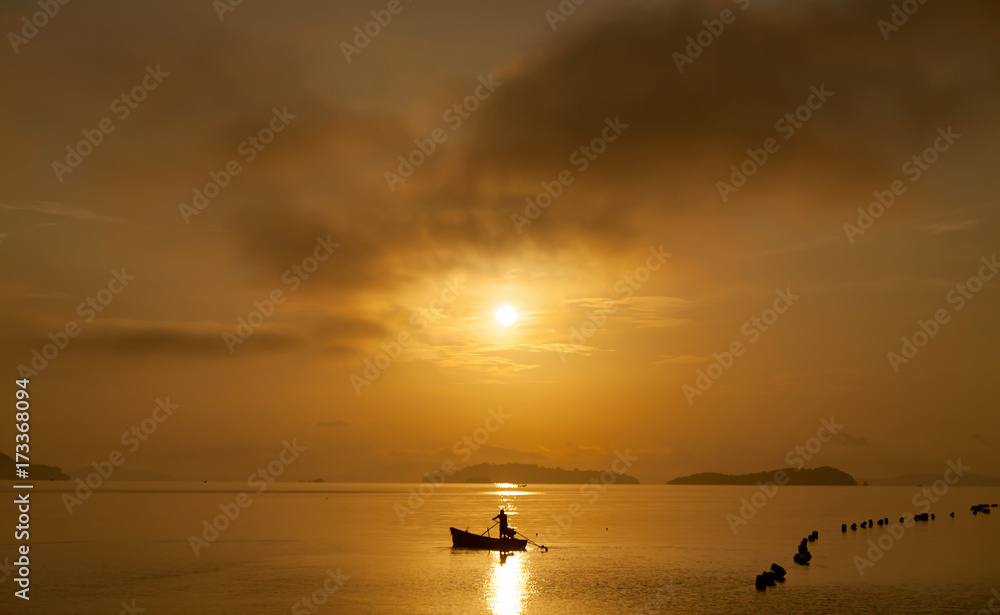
(949,227)
(59,209)
(687,128)
(329,335)
(854,440)
(647,311)
(682,359)
(640,310)
(136,337)
(589,453)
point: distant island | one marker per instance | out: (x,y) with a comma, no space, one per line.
(524,473)
(36,471)
(806,476)
(124,474)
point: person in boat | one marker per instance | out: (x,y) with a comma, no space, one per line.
(503,524)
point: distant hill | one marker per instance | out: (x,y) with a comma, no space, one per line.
(399,472)
(36,471)
(806,476)
(909,480)
(124,474)
(521,473)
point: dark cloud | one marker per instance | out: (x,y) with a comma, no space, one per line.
(854,440)
(143,339)
(329,335)
(687,128)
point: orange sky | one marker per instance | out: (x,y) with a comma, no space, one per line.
(636,266)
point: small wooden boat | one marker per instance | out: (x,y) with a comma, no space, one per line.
(466,540)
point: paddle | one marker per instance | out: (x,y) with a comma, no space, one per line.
(489,528)
(533,542)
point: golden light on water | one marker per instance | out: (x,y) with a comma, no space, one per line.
(505,591)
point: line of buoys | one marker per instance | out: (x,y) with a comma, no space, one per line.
(867,524)
(803,556)
(976,509)
(769,577)
(777,574)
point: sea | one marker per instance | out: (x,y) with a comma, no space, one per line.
(303,548)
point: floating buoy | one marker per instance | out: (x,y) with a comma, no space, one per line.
(760,584)
(843,527)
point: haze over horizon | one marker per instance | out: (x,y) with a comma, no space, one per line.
(631,275)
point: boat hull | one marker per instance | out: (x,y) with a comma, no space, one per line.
(465,540)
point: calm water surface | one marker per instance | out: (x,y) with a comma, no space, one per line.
(633,549)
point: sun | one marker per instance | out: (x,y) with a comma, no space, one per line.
(506,316)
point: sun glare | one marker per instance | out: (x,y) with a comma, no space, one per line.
(506,316)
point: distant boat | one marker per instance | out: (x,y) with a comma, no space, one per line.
(466,540)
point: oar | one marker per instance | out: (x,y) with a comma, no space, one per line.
(489,528)
(533,542)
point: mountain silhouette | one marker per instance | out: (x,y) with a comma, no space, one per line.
(36,471)
(521,473)
(806,476)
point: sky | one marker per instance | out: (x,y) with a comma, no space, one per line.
(293,230)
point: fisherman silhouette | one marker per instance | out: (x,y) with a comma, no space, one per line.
(503,523)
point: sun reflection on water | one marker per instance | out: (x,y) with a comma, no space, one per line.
(505,591)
